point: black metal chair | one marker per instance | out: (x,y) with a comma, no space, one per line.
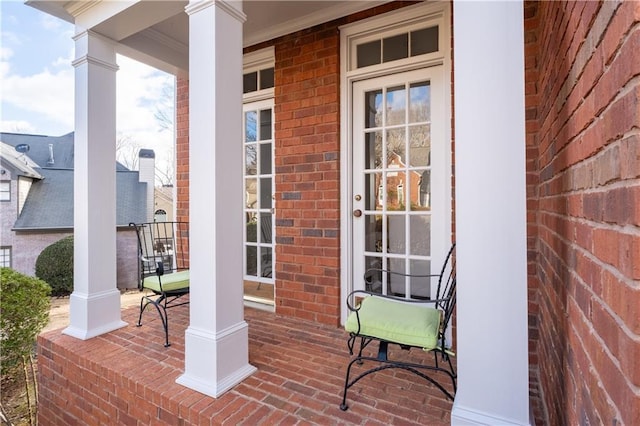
(409,323)
(163,268)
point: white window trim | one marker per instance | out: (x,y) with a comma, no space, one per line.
(256,61)
(390,23)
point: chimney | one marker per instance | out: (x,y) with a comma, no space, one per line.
(147,173)
(50,161)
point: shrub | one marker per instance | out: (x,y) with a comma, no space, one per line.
(24,303)
(55,266)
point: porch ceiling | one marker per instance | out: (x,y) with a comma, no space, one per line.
(157,32)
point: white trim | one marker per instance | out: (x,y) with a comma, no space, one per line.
(312,19)
(260,59)
(348,33)
(465,416)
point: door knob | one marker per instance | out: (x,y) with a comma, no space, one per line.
(357,213)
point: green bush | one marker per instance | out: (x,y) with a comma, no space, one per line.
(55,266)
(24,304)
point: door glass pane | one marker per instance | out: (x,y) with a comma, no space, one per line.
(396,105)
(397,243)
(368,53)
(396,148)
(420,145)
(252,260)
(266,263)
(373,150)
(373,191)
(265,158)
(373,233)
(265,124)
(265,228)
(251,193)
(373,109)
(420,235)
(420,286)
(252,225)
(250,159)
(250,129)
(424,191)
(396,47)
(395,190)
(265,193)
(397,283)
(420,102)
(373,279)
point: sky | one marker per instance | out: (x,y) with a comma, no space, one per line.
(37,83)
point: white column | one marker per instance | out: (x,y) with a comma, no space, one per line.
(95,301)
(216,341)
(492,353)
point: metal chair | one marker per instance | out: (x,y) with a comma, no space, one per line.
(163,268)
(408,323)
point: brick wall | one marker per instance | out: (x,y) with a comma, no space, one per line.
(182,149)
(583,145)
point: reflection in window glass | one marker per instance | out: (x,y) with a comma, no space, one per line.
(420,102)
(420,232)
(420,145)
(251,191)
(373,150)
(252,260)
(396,105)
(397,243)
(250,129)
(396,148)
(373,113)
(368,54)
(250,159)
(420,286)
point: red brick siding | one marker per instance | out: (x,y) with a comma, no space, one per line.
(182,149)
(307,154)
(531,49)
(583,146)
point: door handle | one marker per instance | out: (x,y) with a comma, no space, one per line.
(357,213)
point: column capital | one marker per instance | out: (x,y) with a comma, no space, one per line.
(232,8)
(93,48)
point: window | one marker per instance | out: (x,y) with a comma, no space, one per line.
(5,190)
(5,257)
(160,216)
(398,46)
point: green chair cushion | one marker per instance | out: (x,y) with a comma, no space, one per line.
(397,322)
(170,282)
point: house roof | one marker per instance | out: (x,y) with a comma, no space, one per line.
(49,204)
(40,153)
(19,161)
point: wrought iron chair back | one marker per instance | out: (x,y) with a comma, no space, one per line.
(386,318)
(163,269)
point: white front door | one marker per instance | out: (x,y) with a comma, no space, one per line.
(401,197)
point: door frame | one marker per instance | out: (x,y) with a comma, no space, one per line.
(437,13)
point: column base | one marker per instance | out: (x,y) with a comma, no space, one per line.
(93,315)
(215,362)
(467,416)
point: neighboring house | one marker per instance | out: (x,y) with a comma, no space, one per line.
(39,210)
(531,111)
(163,204)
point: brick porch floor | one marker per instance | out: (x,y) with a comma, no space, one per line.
(127,377)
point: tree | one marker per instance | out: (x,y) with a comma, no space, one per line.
(127,151)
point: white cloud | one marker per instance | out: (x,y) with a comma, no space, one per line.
(5,53)
(16,126)
(50,23)
(45,93)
